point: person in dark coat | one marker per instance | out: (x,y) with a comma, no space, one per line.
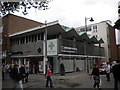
(116,74)
(96,76)
(62,69)
(22,73)
(17,75)
(3,72)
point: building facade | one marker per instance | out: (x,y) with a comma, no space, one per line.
(12,24)
(1,30)
(118,31)
(118,50)
(107,33)
(28,46)
(64,44)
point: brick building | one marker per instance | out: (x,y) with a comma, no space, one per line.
(12,24)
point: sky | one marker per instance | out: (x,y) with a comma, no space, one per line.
(72,13)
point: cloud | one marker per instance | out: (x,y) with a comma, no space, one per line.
(73,12)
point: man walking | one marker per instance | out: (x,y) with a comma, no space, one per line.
(108,72)
(96,76)
(62,69)
(116,74)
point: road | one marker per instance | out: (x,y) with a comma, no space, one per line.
(70,80)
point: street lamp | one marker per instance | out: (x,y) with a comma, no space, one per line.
(45,54)
(91,20)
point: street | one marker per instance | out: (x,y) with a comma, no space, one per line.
(70,80)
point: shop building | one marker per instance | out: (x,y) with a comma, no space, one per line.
(64,44)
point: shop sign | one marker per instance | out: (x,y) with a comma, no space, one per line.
(52,47)
(87,58)
(68,49)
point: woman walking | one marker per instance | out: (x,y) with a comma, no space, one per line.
(49,76)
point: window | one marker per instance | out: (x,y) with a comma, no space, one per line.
(119,10)
(35,37)
(26,39)
(96,36)
(39,37)
(22,40)
(29,39)
(95,27)
(42,36)
(32,38)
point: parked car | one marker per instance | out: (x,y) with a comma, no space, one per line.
(102,68)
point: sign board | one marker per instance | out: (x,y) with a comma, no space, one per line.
(87,58)
(52,47)
(68,49)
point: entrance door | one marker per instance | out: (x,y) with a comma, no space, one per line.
(33,66)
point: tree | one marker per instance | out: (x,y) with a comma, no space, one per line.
(117,24)
(11,7)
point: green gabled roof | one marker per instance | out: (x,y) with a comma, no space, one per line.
(90,36)
(80,33)
(100,39)
(66,28)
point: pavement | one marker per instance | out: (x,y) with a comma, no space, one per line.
(70,80)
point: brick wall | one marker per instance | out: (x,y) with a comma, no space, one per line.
(13,24)
(113,46)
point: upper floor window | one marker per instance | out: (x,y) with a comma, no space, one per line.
(28,39)
(95,28)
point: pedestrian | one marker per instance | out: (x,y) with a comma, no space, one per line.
(108,71)
(10,72)
(49,77)
(96,76)
(62,69)
(3,71)
(22,73)
(26,74)
(7,67)
(18,78)
(116,74)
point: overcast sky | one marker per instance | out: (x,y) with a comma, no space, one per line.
(72,13)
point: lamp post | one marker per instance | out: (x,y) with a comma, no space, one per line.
(45,48)
(91,19)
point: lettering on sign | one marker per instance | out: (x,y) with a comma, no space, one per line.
(68,49)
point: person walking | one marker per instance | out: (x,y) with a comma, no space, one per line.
(62,69)
(49,76)
(22,73)
(116,74)
(17,78)
(96,76)
(108,72)
(3,71)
